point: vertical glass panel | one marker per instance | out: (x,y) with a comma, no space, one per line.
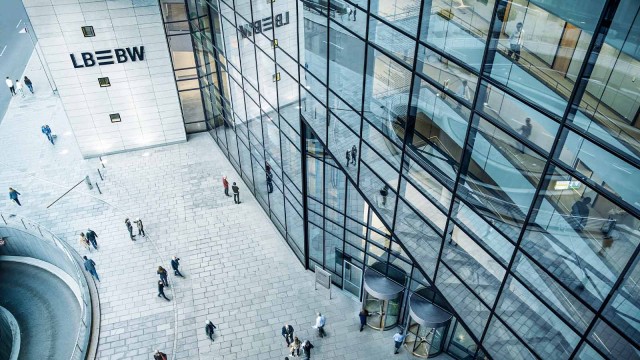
(471,310)
(315,243)
(378,190)
(345,112)
(266,72)
(313,43)
(474,266)
(497,183)
(315,113)
(529,318)
(458,29)
(346,67)
(335,189)
(455,80)
(423,204)
(288,97)
(341,141)
(420,239)
(532,126)
(502,344)
(426,182)
(357,208)
(611,343)
(580,237)
(483,232)
(439,131)
(389,148)
(386,92)
(609,109)
(554,295)
(623,308)
(401,47)
(601,167)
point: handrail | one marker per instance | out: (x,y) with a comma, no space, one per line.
(33,228)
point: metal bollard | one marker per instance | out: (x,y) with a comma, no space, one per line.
(86,180)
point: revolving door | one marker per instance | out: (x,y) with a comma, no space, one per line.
(382,299)
(428,325)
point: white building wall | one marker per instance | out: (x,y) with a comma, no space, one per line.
(142,92)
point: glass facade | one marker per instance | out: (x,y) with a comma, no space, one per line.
(482,152)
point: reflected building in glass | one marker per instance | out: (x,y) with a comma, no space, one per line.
(466,169)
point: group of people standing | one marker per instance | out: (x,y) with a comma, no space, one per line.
(352,155)
(17,87)
(235,188)
(294,344)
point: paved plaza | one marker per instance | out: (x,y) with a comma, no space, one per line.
(239,272)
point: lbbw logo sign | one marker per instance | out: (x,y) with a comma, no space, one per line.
(108,57)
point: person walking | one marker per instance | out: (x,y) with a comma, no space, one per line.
(175,264)
(579,214)
(516,40)
(158,355)
(525,131)
(384,192)
(225,184)
(90,266)
(29,84)
(130,229)
(163,276)
(348,156)
(140,227)
(354,13)
(209,329)
(320,322)
(84,242)
(13,195)
(354,154)
(236,193)
(287,333)
(46,130)
(295,346)
(161,290)
(306,349)
(398,338)
(269,183)
(92,236)
(363,318)
(12,89)
(19,88)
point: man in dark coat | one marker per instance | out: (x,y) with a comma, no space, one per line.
(209,329)
(175,264)
(236,193)
(90,266)
(161,290)
(92,237)
(287,333)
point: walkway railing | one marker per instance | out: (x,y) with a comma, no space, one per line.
(84,332)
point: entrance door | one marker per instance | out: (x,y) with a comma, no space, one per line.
(352,276)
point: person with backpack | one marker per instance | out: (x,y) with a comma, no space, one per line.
(306,349)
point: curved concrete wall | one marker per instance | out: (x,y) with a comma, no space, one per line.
(9,336)
(22,243)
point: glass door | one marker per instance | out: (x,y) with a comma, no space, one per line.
(352,276)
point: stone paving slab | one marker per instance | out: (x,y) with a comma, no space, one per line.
(239,271)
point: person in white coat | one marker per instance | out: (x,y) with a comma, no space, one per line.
(19,87)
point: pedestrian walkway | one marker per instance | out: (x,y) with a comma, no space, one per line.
(239,273)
